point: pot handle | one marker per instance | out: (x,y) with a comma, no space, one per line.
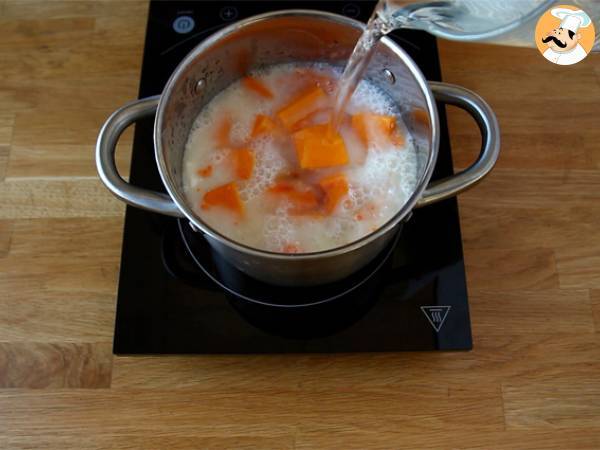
(105,159)
(490,136)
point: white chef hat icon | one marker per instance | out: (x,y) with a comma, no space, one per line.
(570,19)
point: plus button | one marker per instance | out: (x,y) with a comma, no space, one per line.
(228,13)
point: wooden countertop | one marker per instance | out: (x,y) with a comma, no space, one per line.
(532,245)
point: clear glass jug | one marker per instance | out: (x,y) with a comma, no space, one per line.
(506,22)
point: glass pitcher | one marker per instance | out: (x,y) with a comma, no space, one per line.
(506,22)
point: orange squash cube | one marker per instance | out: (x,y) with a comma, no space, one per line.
(360,127)
(369,127)
(301,107)
(303,199)
(262,125)
(281,187)
(318,147)
(243,163)
(335,187)
(304,202)
(222,132)
(257,86)
(225,196)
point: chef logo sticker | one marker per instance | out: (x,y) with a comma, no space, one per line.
(564,35)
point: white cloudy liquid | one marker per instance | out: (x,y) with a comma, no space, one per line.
(380,180)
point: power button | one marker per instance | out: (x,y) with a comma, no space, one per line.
(183,24)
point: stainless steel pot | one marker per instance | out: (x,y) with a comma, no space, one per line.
(291,36)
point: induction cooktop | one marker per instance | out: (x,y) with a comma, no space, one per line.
(176,296)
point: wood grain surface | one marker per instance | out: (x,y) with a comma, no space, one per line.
(532,249)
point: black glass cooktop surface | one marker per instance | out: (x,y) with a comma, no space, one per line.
(176,296)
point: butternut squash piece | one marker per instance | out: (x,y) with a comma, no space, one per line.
(304,201)
(226,197)
(222,132)
(262,125)
(335,187)
(243,163)
(361,128)
(370,126)
(257,86)
(281,187)
(318,147)
(300,107)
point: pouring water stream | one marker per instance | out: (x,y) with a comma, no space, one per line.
(377,27)
(509,22)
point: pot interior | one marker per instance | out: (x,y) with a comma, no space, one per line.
(286,36)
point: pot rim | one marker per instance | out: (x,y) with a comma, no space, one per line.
(196,222)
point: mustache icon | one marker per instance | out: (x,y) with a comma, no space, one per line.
(556,41)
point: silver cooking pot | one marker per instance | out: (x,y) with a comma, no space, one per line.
(279,37)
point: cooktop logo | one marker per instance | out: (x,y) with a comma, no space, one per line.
(564,35)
